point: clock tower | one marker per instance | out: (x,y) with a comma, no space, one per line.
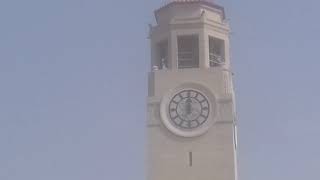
(191,124)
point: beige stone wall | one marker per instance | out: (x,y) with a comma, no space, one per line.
(213,152)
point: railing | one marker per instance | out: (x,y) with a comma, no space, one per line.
(187,60)
(216,60)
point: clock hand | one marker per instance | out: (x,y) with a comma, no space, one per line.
(189,106)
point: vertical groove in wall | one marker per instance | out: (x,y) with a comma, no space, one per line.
(190,159)
(226,81)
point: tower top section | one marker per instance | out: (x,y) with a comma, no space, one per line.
(177,9)
(191,34)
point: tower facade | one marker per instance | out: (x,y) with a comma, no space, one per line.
(191,124)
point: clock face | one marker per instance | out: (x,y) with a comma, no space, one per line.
(189,109)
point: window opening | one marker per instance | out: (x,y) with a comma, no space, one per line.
(216,52)
(188,51)
(162,51)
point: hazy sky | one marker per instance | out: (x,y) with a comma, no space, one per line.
(73,86)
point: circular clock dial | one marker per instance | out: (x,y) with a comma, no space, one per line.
(189,109)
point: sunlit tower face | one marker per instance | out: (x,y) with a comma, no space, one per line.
(191,107)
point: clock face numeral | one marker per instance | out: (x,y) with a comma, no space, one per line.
(189,109)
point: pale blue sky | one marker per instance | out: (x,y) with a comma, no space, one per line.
(73,79)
